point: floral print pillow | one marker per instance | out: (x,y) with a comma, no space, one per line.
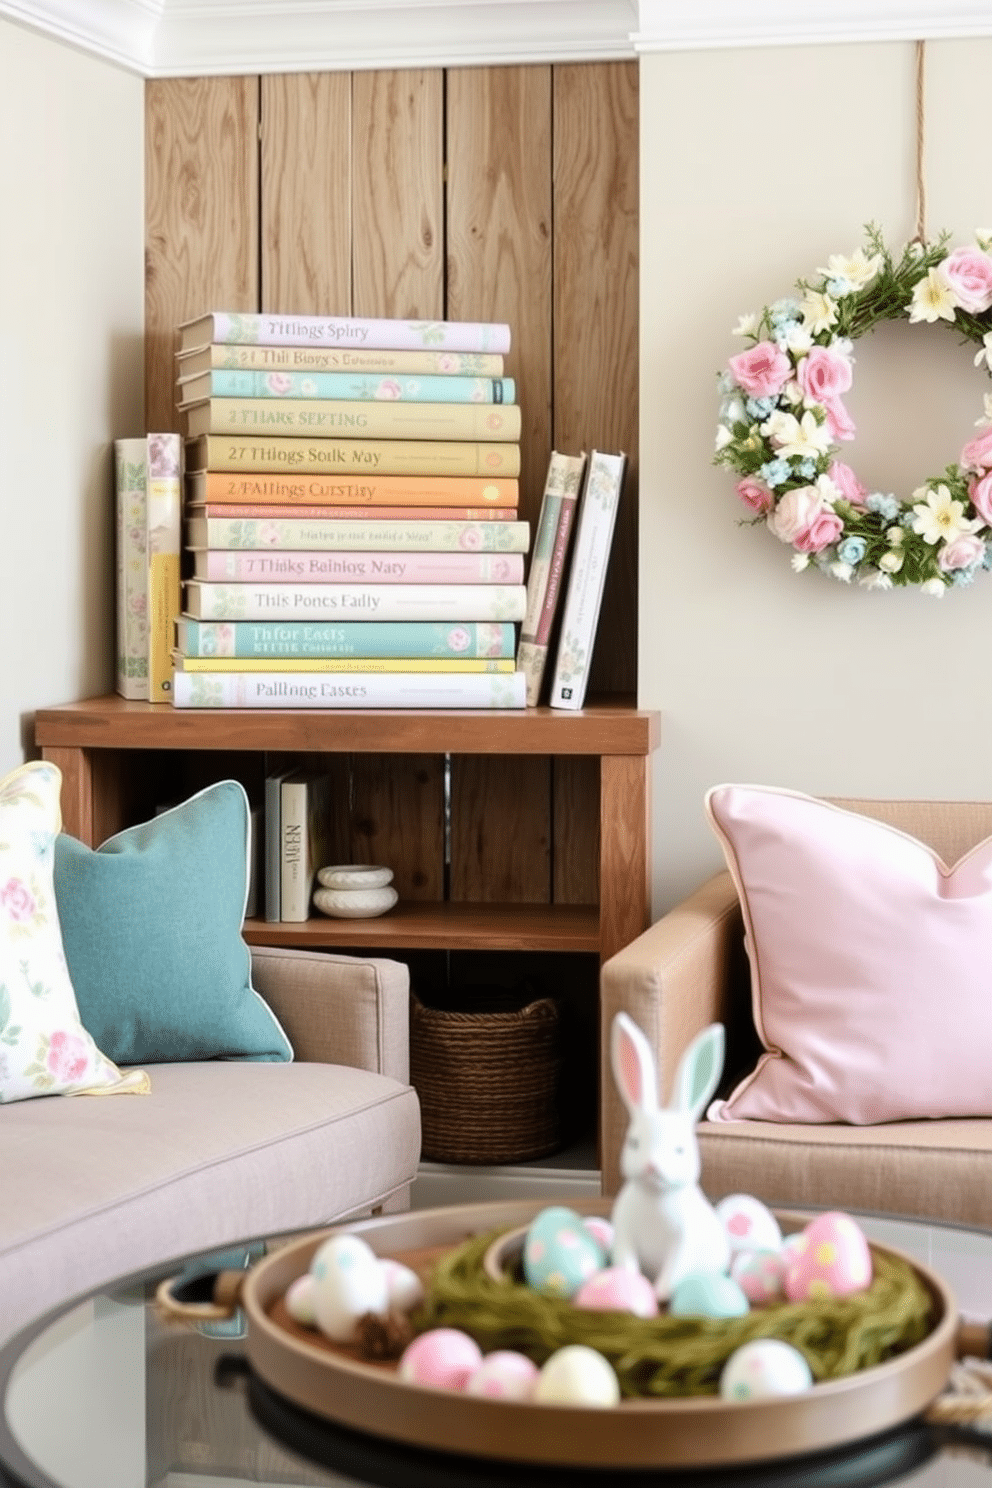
(44,1049)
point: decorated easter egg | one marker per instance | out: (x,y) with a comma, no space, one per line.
(748,1223)
(760,1274)
(445,1358)
(763,1368)
(349,1282)
(601,1230)
(299,1300)
(615,1289)
(404,1287)
(577,1375)
(832,1259)
(560,1253)
(503,1375)
(708,1294)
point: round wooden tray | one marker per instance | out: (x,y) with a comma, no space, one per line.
(692,1432)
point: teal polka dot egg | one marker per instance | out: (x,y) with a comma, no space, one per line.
(560,1253)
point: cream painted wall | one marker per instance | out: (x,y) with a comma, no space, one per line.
(778,157)
(71,378)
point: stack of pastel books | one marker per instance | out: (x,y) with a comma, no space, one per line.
(351,519)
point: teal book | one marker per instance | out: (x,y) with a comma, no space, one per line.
(430,388)
(370,638)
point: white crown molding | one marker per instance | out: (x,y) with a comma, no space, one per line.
(169,38)
(683,25)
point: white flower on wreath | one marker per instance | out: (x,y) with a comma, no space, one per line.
(795,339)
(985,355)
(933,299)
(851,272)
(747,325)
(797,437)
(939,518)
(819,312)
(986,418)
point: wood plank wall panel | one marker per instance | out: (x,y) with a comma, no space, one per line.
(397,245)
(499,269)
(201,216)
(306,193)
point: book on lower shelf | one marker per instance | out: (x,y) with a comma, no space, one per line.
(353,690)
(148,499)
(272,845)
(596,521)
(305,816)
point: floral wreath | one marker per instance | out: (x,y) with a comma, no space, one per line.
(782,418)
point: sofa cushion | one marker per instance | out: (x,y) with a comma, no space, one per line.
(151,923)
(216,1153)
(869,956)
(44,1047)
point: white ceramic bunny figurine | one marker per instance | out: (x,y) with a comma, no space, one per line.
(664,1226)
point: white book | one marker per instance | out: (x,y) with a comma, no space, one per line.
(131,502)
(272,846)
(594,536)
(304,832)
(350,690)
(289,601)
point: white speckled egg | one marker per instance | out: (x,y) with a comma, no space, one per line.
(763,1368)
(760,1274)
(749,1224)
(708,1294)
(560,1253)
(299,1300)
(615,1289)
(404,1287)
(349,1282)
(834,1261)
(444,1358)
(503,1375)
(577,1375)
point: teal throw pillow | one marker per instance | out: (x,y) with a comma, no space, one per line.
(151,927)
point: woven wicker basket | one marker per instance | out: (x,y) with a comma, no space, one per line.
(487,1081)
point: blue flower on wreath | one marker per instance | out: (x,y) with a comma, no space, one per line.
(962,576)
(852,550)
(807,469)
(886,506)
(775,472)
(760,408)
(783,310)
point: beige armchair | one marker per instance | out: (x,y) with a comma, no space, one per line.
(690,969)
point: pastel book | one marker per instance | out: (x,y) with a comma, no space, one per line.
(278,641)
(358,386)
(377,361)
(148,476)
(250,451)
(348,418)
(276,689)
(293,601)
(241,530)
(304,567)
(342,331)
(364,490)
(545,580)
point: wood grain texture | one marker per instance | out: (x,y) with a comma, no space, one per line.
(625,851)
(500,835)
(396,818)
(397,245)
(596,311)
(306,193)
(576,830)
(201,215)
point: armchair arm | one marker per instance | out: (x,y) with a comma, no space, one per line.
(339,1009)
(672,980)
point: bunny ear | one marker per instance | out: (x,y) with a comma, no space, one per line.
(699,1071)
(633,1065)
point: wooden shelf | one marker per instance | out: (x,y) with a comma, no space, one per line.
(451,927)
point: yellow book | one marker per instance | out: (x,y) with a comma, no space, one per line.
(340,664)
(352,418)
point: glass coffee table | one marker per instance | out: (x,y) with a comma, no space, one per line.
(110,1393)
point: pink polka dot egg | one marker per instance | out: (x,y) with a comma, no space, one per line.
(760,1274)
(615,1289)
(831,1258)
(444,1358)
(503,1375)
(750,1224)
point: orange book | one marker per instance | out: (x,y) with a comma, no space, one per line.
(224,486)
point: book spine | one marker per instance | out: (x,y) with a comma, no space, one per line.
(363,490)
(376,516)
(342,664)
(164,525)
(433,457)
(381,360)
(359,690)
(130,470)
(361,638)
(593,539)
(343,418)
(222,566)
(430,388)
(355,331)
(457,602)
(305,809)
(237,534)
(532,656)
(272,847)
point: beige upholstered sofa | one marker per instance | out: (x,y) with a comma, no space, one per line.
(219,1151)
(690,969)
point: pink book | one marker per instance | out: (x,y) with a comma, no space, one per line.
(219,565)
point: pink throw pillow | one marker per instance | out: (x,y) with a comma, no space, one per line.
(871,964)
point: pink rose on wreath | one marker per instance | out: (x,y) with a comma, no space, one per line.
(762,371)
(980,491)
(802,519)
(67,1057)
(17,900)
(839,421)
(963,551)
(755,494)
(847,483)
(969,273)
(977,453)
(824,374)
